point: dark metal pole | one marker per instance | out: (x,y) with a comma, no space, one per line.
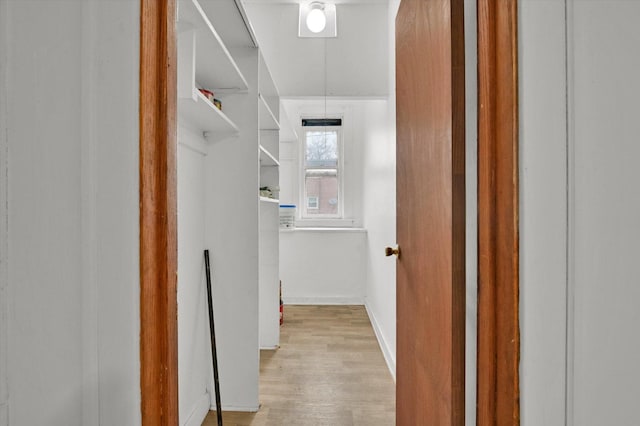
(214,354)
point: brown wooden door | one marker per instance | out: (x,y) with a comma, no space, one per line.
(430,213)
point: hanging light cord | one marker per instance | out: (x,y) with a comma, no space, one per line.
(325,90)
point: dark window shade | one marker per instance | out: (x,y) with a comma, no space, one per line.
(321,122)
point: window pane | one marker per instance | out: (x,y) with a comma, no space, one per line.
(321,191)
(312,202)
(322,149)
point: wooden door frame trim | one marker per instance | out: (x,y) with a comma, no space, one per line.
(498,397)
(498,263)
(158,214)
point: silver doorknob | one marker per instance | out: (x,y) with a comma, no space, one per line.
(392,251)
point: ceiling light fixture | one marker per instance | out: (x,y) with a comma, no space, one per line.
(316,19)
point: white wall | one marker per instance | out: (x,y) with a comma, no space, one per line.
(580,210)
(354,63)
(194,353)
(604,212)
(379,195)
(70,126)
(365,126)
(4,246)
(322,266)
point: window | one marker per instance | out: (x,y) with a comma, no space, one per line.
(312,202)
(322,168)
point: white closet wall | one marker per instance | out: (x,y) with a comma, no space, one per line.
(580,210)
(69,145)
(604,212)
(194,360)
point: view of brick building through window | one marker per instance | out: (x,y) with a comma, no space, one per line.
(322,193)
(321,174)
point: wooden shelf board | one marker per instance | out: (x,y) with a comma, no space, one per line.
(215,67)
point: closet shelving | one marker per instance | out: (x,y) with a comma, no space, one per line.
(269,200)
(239,145)
(269,152)
(267,159)
(269,126)
(268,120)
(287,130)
(204,62)
(205,117)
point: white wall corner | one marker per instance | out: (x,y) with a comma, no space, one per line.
(199,411)
(389,356)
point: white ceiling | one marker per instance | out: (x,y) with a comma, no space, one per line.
(355,64)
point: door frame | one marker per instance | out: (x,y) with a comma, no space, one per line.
(158,214)
(498,263)
(498,362)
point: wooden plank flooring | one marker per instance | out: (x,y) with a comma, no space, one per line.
(329,371)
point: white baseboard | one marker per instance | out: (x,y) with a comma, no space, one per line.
(389,357)
(199,411)
(323,300)
(225,407)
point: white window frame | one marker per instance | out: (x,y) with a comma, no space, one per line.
(304,216)
(316,203)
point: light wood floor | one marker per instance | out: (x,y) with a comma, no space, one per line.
(329,371)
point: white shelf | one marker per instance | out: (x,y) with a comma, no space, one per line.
(204,117)
(287,130)
(267,159)
(267,119)
(215,69)
(266,84)
(230,20)
(270,200)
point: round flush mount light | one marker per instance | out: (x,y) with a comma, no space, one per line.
(316,19)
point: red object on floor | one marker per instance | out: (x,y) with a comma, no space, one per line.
(281,305)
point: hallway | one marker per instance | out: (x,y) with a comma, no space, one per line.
(329,371)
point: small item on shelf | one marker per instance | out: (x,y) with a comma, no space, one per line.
(287,216)
(265,191)
(208,94)
(218,104)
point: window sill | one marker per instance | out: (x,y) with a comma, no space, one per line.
(326,223)
(323,229)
